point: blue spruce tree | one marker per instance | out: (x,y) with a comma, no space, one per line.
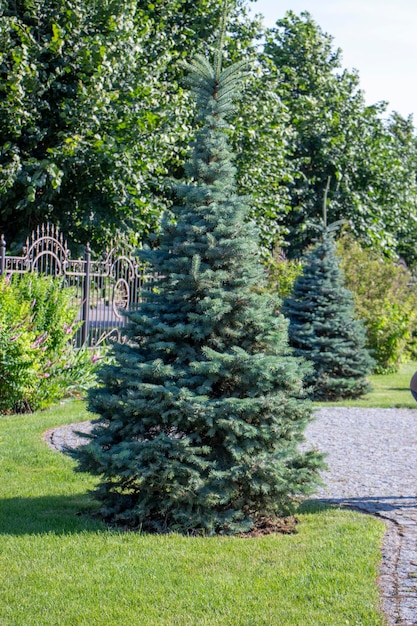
(323,328)
(203,409)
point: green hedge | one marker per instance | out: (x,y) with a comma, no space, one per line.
(386,301)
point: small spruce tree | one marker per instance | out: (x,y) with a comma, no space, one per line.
(203,408)
(323,328)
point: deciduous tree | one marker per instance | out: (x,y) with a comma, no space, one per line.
(92,116)
(369,159)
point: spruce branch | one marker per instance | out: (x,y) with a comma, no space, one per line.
(218,55)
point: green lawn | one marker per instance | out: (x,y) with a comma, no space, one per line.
(58,567)
(388,391)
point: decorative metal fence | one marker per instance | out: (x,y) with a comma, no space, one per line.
(103,288)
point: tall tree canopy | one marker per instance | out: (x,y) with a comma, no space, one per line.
(370,161)
(91,112)
(95,124)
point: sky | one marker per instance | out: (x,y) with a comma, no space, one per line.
(377,37)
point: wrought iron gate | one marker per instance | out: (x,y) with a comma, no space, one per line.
(103,288)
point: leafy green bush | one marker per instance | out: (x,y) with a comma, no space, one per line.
(281,273)
(38,362)
(386,301)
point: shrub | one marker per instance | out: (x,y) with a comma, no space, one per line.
(38,363)
(385,300)
(282,273)
(18,373)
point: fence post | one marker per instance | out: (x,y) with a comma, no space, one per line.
(2,254)
(86,295)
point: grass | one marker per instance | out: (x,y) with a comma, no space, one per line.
(60,567)
(388,391)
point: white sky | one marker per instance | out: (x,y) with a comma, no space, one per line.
(377,37)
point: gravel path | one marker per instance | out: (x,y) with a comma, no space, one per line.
(372,467)
(372,461)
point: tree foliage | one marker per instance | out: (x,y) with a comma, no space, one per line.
(385,299)
(371,161)
(323,328)
(202,412)
(95,125)
(91,112)
(38,363)
(261,137)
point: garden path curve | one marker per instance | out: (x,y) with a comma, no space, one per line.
(372,467)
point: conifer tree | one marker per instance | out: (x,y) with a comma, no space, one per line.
(202,411)
(323,328)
